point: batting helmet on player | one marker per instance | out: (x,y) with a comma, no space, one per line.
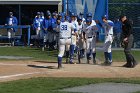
(105,17)
(79,18)
(88,20)
(89,15)
(81,13)
(38,13)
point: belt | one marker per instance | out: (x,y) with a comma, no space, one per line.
(73,34)
(89,37)
(65,38)
(109,34)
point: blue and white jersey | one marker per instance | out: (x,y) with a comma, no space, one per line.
(37,23)
(66,29)
(89,30)
(75,23)
(108,27)
(41,20)
(11,21)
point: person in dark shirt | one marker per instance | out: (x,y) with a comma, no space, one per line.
(127,41)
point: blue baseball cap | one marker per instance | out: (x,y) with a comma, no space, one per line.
(89,15)
(88,20)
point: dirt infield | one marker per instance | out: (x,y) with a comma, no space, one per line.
(14,70)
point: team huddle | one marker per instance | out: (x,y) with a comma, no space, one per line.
(76,35)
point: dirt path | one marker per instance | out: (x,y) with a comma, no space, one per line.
(14,70)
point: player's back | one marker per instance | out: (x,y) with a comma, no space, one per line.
(65,29)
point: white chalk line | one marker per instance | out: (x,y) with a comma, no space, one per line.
(4,64)
(17,75)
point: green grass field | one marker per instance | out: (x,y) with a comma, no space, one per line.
(37,54)
(52,85)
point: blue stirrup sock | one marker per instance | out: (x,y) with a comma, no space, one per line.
(71,49)
(59,60)
(71,52)
(88,56)
(106,56)
(110,56)
(83,51)
(94,55)
(75,49)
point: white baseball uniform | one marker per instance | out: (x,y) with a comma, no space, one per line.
(75,23)
(65,37)
(90,35)
(108,36)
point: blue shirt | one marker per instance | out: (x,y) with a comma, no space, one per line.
(14,20)
(117,27)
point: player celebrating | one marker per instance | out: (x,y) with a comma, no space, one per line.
(108,28)
(90,37)
(73,44)
(64,38)
(81,42)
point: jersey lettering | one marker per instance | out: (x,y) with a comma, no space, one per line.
(64,27)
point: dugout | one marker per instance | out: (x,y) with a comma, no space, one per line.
(25,10)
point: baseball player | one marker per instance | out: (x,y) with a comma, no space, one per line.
(89,16)
(90,37)
(66,29)
(37,24)
(49,27)
(55,34)
(108,28)
(81,42)
(11,21)
(81,15)
(73,44)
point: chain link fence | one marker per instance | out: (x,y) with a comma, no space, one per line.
(132,11)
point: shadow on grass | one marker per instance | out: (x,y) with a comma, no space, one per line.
(48,67)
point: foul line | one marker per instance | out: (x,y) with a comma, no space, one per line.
(16,75)
(13,64)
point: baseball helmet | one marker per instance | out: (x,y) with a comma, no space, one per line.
(53,14)
(10,13)
(48,14)
(67,18)
(41,13)
(81,13)
(89,15)
(79,18)
(38,13)
(59,15)
(88,20)
(105,17)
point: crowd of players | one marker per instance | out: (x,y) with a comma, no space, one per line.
(72,34)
